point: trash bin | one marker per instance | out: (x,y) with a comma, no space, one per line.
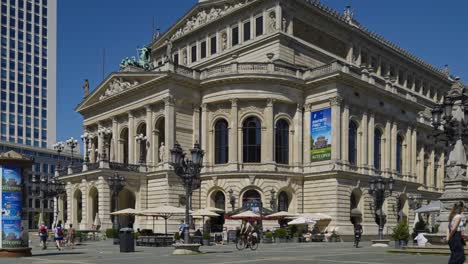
(127,242)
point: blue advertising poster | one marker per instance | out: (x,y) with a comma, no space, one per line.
(11,179)
(320,135)
(11,201)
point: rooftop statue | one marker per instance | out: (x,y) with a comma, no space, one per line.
(144,60)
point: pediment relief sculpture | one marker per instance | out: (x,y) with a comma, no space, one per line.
(206,16)
(116,86)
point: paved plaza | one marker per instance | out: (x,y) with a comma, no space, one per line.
(318,253)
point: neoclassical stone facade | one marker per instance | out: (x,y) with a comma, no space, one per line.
(243,79)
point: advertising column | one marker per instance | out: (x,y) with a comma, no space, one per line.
(11,201)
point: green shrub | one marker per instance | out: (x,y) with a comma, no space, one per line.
(146,232)
(176,236)
(269,235)
(206,235)
(401,231)
(112,233)
(136,235)
(334,234)
(281,233)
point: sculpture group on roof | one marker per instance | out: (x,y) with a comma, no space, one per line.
(143,62)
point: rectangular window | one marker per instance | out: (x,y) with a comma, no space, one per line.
(203,50)
(235,36)
(213,45)
(259,26)
(176,59)
(247,31)
(194,53)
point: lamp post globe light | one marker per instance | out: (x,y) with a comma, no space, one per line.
(48,187)
(380,188)
(59,147)
(450,123)
(189,172)
(72,144)
(116,185)
(142,139)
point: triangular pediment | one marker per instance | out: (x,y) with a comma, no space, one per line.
(205,12)
(117,84)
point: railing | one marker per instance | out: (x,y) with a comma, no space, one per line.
(324,70)
(93,166)
(76,168)
(185,71)
(219,70)
(124,167)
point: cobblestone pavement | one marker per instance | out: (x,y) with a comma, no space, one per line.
(318,253)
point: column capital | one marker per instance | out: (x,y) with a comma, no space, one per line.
(299,107)
(234,102)
(336,101)
(148,108)
(270,102)
(169,100)
(114,120)
(196,107)
(130,114)
(204,107)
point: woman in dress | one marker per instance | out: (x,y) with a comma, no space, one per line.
(455,235)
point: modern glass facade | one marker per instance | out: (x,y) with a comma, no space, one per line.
(28,86)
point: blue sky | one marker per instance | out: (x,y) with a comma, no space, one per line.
(435,31)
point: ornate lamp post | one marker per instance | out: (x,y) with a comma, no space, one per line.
(141,139)
(380,188)
(49,187)
(105,134)
(86,138)
(189,172)
(450,122)
(116,185)
(232,199)
(59,146)
(72,144)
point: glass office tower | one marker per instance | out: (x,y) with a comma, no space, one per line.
(28,72)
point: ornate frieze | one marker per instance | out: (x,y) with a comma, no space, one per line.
(207,15)
(116,86)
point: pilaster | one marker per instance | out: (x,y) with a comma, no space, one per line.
(336,127)
(131,138)
(268,143)
(364,140)
(113,156)
(170,124)
(297,139)
(306,133)
(345,134)
(233,146)
(205,132)
(149,129)
(370,145)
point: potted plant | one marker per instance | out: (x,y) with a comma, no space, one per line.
(295,238)
(401,234)
(334,236)
(206,238)
(268,239)
(176,237)
(280,235)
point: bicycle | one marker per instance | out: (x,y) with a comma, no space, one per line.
(243,243)
(357,238)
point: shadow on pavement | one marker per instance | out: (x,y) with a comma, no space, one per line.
(57,254)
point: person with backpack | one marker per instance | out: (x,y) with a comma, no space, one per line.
(43,235)
(58,235)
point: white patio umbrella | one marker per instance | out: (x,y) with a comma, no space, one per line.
(204,213)
(302,221)
(281,214)
(128,211)
(165,211)
(214,209)
(246,214)
(313,216)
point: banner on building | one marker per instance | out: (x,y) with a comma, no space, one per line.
(11,201)
(320,135)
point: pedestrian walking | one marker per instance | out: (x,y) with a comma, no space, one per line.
(71,236)
(455,237)
(43,235)
(58,235)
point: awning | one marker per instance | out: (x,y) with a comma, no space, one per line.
(432,207)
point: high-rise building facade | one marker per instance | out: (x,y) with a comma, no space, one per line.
(28,79)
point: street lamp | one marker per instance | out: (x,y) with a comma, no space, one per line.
(72,144)
(105,134)
(141,139)
(86,138)
(380,188)
(232,199)
(116,185)
(273,199)
(59,147)
(189,171)
(49,187)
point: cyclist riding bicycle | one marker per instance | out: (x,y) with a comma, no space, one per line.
(357,233)
(247,230)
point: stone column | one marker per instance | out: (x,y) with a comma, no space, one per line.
(393,145)
(170,125)
(345,134)
(336,127)
(370,145)
(205,132)
(149,129)
(388,146)
(233,139)
(104,203)
(407,163)
(268,144)
(69,201)
(350,53)
(100,142)
(131,139)
(113,156)
(306,133)
(279,16)
(421,165)
(196,124)
(414,139)
(84,205)
(364,140)
(297,139)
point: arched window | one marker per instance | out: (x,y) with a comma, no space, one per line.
(124,145)
(352,143)
(220,201)
(377,149)
(282,142)
(252,200)
(399,153)
(252,140)
(221,142)
(283,202)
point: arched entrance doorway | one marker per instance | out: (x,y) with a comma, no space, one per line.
(126,200)
(77,207)
(355,213)
(93,205)
(252,200)
(219,201)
